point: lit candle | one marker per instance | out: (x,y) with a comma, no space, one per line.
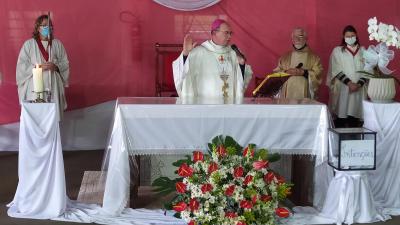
(37,79)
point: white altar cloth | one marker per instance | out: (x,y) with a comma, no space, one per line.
(144,126)
(41,188)
(349,200)
(385,180)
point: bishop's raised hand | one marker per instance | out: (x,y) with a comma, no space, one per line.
(188,44)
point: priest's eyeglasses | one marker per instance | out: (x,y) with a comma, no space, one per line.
(226,32)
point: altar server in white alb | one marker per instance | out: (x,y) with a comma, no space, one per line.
(198,70)
(49,53)
(347,85)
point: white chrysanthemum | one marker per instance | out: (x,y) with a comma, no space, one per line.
(264,171)
(197,166)
(259,183)
(272,187)
(212,200)
(196,192)
(185,215)
(214,157)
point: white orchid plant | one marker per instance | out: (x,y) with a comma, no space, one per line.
(384,33)
(377,58)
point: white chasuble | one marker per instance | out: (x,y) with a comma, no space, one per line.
(200,74)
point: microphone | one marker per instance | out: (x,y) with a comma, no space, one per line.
(236,49)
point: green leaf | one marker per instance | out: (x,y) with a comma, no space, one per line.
(188,161)
(261,154)
(367,74)
(252,146)
(230,142)
(218,140)
(210,148)
(231,150)
(168,206)
(250,192)
(161,181)
(164,185)
(383,76)
(249,216)
(274,157)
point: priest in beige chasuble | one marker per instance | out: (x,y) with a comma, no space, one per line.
(304,67)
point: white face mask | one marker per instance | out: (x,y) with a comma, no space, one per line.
(350,40)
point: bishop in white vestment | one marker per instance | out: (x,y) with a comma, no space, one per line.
(50,54)
(198,71)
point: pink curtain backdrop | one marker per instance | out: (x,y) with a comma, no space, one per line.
(110,44)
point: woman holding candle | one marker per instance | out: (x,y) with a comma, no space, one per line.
(46,55)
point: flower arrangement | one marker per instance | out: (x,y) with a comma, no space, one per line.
(229,185)
(377,58)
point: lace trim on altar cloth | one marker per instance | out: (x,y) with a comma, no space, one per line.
(183,151)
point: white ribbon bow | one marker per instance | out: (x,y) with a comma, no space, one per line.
(379,56)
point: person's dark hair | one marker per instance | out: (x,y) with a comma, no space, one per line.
(38,22)
(349,28)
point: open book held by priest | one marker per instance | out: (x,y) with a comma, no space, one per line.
(271,85)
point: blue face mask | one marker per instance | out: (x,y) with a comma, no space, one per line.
(45,31)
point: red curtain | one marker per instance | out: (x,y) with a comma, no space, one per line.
(110,44)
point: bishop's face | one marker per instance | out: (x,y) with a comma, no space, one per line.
(222,36)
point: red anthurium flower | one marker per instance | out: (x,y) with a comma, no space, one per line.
(198,156)
(265,198)
(206,188)
(229,191)
(247,179)
(241,223)
(192,222)
(194,204)
(238,172)
(280,179)
(185,170)
(248,152)
(221,150)
(246,204)
(258,165)
(180,187)
(230,214)
(269,177)
(254,199)
(212,167)
(282,212)
(181,206)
